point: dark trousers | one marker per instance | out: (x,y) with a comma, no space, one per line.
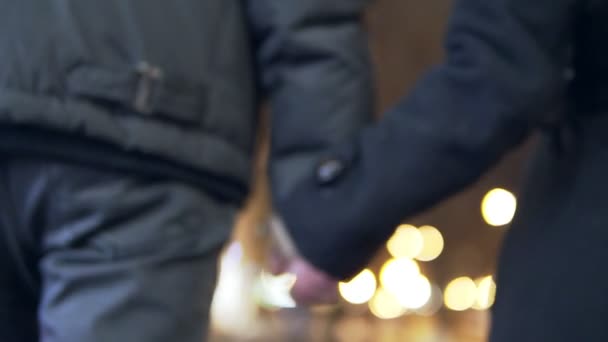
(102,256)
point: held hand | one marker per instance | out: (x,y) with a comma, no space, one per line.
(312,286)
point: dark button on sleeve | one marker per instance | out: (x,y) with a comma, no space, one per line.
(329,170)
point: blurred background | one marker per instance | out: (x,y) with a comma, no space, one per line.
(434,280)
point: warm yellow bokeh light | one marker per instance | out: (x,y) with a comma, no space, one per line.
(432,243)
(414,293)
(360,289)
(406,242)
(397,273)
(486,292)
(433,305)
(460,294)
(498,207)
(384,305)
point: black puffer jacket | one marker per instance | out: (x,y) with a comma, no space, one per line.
(175,82)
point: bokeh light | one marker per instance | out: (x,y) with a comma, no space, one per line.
(234,308)
(415,293)
(432,243)
(460,294)
(433,305)
(406,242)
(360,289)
(498,207)
(486,293)
(397,273)
(385,305)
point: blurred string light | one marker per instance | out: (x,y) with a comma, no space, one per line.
(415,293)
(234,310)
(434,304)
(424,244)
(395,273)
(498,207)
(406,242)
(229,289)
(385,305)
(360,289)
(432,243)
(486,293)
(460,294)
(402,279)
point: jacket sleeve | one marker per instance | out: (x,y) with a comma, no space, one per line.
(314,68)
(504,66)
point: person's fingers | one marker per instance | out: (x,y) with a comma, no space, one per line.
(308,297)
(312,286)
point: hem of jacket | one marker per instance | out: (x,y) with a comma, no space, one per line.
(31,141)
(184,143)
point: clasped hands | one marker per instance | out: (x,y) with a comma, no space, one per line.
(312,285)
